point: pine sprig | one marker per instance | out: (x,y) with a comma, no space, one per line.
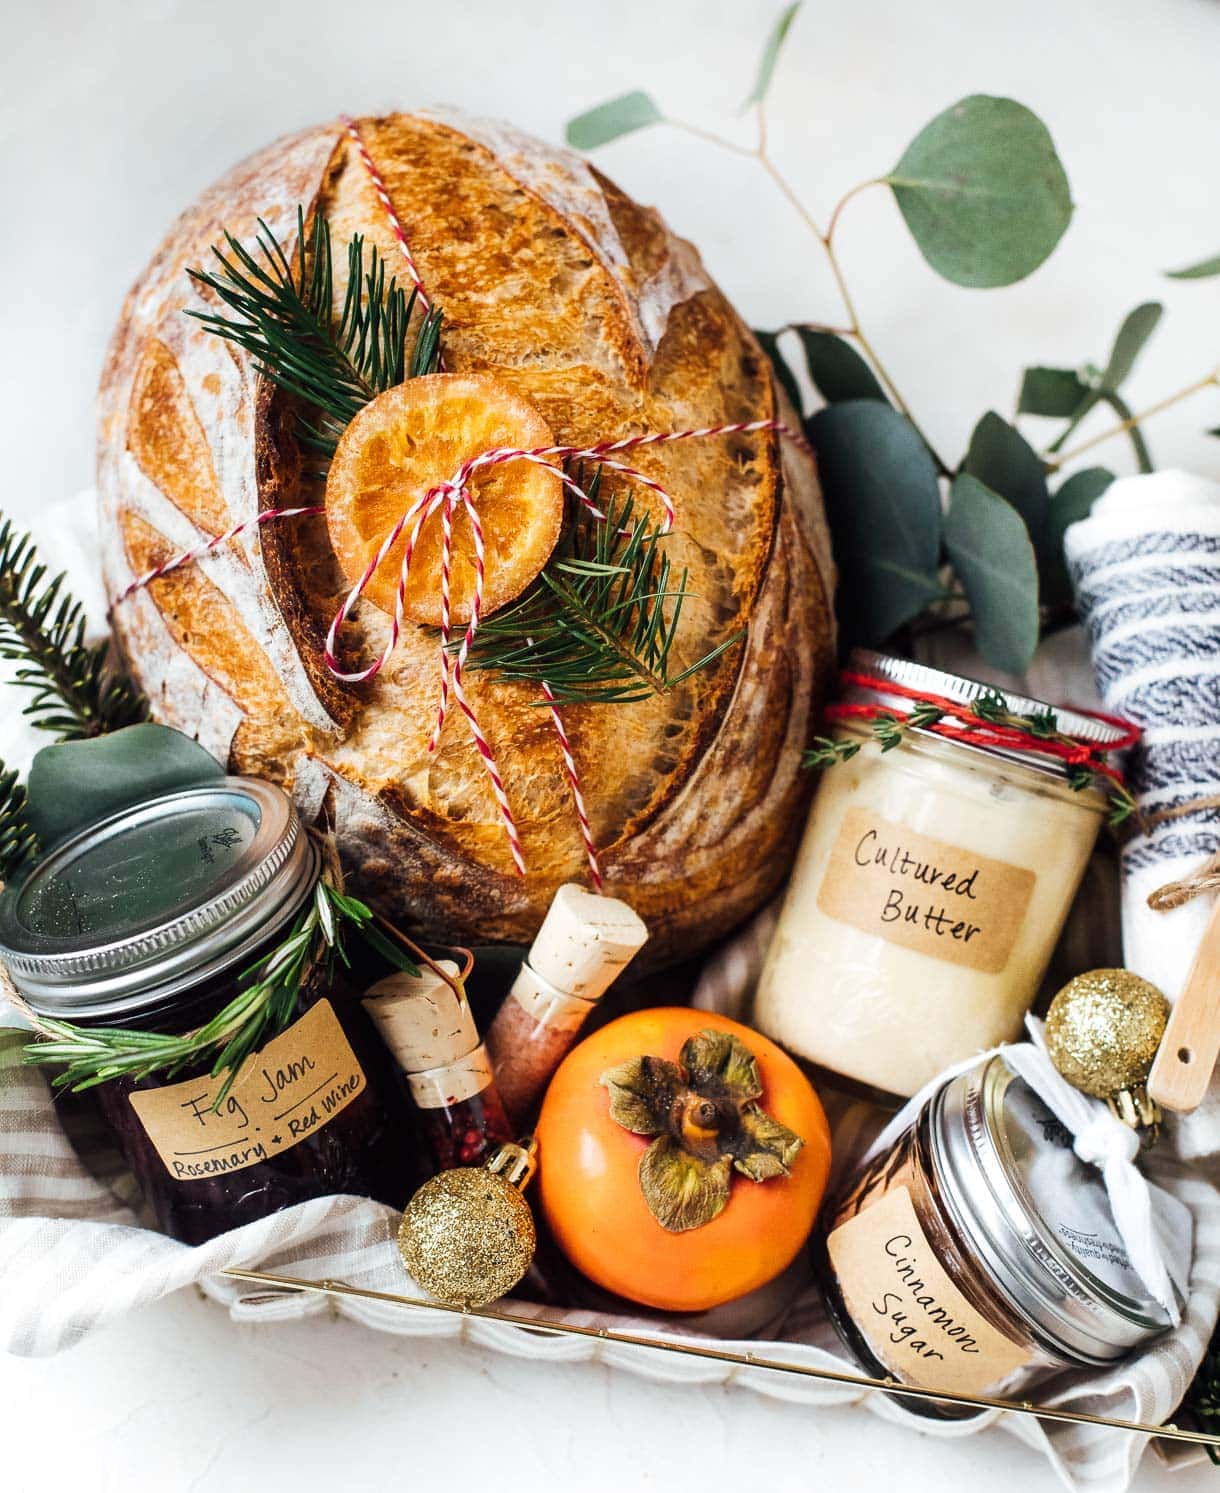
(264,1006)
(17,840)
(73,691)
(599,623)
(284,318)
(889,730)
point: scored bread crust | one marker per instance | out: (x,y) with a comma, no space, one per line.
(582,301)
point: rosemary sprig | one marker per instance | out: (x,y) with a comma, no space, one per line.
(599,623)
(73,690)
(17,840)
(264,1006)
(284,318)
(889,730)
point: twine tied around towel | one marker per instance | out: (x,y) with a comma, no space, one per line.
(1205,879)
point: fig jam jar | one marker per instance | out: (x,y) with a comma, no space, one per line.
(146,921)
(978,1255)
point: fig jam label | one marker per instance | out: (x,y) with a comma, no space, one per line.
(285,1092)
(923,894)
(905,1305)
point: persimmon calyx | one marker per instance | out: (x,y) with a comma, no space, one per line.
(704,1112)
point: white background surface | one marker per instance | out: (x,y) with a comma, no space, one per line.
(114,116)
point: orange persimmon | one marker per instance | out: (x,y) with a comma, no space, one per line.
(682,1158)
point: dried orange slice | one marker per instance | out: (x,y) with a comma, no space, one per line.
(409,439)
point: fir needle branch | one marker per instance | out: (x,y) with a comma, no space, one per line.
(599,623)
(73,690)
(17,840)
(266,1004)
(282,315)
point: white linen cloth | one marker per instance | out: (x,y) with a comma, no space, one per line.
(1145,565)
(75,1251)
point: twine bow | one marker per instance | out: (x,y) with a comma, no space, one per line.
(1099,1138)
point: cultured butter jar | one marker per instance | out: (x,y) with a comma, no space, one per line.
(979,1255)
(931,886)
(145,920)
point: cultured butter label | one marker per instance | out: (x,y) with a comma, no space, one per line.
(924,894)
(288,1090)
(914,1318)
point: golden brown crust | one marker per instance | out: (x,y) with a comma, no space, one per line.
(582,301)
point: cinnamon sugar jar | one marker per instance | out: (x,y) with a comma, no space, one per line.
(978,1254)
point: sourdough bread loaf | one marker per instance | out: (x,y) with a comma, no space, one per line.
(583,302)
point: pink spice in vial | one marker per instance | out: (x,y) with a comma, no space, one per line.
(525,1052)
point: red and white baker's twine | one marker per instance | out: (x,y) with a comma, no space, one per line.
(446,498)
(395,222)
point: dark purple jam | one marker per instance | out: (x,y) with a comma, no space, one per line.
(366,1148)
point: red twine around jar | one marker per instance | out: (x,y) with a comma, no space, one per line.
(1073,752)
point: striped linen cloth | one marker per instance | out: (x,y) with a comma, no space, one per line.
(77,1251)
(1146,568)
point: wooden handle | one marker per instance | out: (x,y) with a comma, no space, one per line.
(1184,1061)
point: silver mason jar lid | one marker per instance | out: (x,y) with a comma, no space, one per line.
(963,691)
(1037,1216)
(156,898)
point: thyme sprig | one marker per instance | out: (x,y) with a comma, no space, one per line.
(599,623)
(283,316)
(889,729)
(74,691)
(264,1006)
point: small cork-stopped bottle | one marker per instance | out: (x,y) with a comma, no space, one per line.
(432,1034)
(584,944)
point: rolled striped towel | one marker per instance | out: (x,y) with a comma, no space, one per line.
(1146,568)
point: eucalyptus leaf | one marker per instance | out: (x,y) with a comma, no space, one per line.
(883,505)
(769,342)
(1055,392)
(1003,460)
(1072,502)
(617,116)
(837,370)
(1204,270)
(994,560)
(1137,327)
(983,192)
(770,56)
(1129,341)
(78,782)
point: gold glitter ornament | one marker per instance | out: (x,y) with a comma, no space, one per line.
(1102,1033)
(468,1236)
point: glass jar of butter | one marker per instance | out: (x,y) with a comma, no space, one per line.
(979,1255)
(146,920)
(930,888)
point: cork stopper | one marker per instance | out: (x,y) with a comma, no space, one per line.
(420,1019)
(585,942)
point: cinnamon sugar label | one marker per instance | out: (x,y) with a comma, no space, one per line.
(923,894)
(287,1091)
(917,1322)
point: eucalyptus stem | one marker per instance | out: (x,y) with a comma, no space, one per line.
(760,153)
(1209,381)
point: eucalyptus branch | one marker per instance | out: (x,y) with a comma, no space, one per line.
(266,1003)
(1211,380)
(761,154)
